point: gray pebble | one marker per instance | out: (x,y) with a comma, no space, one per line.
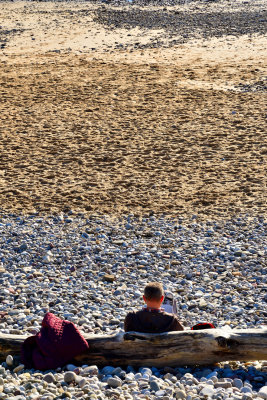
(154,386)
(9,360)
(180,394)
(49,378)
(69,377)
(114,382)
(263,392)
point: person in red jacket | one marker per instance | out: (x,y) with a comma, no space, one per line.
(152,318)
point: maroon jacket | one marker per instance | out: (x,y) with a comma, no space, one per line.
(57,343)
(154,321)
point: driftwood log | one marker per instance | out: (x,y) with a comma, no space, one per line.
(200,347)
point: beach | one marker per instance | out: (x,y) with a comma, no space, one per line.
(132,149)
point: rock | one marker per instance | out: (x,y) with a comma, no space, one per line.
(180,394)
(48,257)
(154,385)
(247,396)
(114,321)
(207,391)
(117,371)
(69,377)
(18,368)
(49,378)
(9,360)
(223,385)
(90,370)
(109,278)
(246,389)
(160,393)
(2,370)
(263,392)
(202,303)
(237,383)
(107,370)
(114,382)
(71,367)
(82,382)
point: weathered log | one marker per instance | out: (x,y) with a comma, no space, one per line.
(200,347)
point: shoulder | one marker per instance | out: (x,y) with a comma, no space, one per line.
(131,315)
(134,315)
(168,315)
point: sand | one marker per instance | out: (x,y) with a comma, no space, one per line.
(93,122)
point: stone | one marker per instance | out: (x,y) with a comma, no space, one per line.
(49,378)
(207,391)
(114,382)
(154,385)
(71,367)
(69,377)
(246,389)
(9,360)
(118,372)
(82,383)
(17,397)
(247,396)
(224,385)
(18,368)
(263,392)
(90,370)
(180,394)
(160,393)
(109,278)
(202,303)
(237,383)
(107,370)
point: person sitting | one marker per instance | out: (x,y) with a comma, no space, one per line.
(152,318)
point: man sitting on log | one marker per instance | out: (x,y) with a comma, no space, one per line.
(152,318)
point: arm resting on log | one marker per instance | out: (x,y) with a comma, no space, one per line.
(201,347)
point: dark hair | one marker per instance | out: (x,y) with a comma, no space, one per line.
(153,291)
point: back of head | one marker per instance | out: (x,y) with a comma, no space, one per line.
(154,291)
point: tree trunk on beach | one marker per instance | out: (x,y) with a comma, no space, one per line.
(200,347)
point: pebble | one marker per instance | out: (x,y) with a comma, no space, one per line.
(69,377)
(70,367)
(109,278)
(207,391)
(198,261)
(263,392)
(49,378)
(9,360)
(180,394)
(114,382)
(18,368)
(154,386)
(237,383)
(90,370)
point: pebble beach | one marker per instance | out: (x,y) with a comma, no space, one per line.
(132,149)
